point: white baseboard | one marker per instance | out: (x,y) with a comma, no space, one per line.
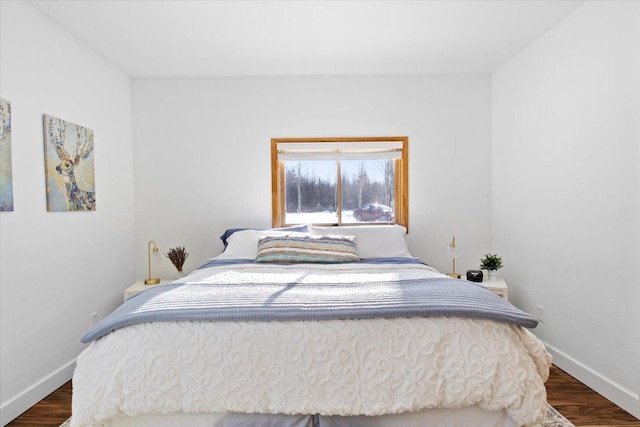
(11,408)
(621,396)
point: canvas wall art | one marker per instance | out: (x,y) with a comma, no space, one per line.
(69,166)
(6,173)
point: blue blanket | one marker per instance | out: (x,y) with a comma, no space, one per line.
(387,260)
(261,302)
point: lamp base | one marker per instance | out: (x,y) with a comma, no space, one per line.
(151,281)
(454,275)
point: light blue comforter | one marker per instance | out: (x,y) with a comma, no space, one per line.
(263,302)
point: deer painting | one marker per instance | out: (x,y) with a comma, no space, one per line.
(77,199)
(6,179)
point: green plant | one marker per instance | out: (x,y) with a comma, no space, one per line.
(491,262)
(177,256)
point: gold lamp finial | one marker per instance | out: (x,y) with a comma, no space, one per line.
(452,254)
(151,281)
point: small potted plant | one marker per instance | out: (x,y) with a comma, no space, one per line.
(177,256)
(492,263)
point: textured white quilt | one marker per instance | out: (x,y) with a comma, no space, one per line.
(333,367)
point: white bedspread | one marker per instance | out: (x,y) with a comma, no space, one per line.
(333,367)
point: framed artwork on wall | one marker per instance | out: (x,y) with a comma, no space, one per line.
(6,173)
(69,168)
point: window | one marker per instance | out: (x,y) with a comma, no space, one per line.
(339,180)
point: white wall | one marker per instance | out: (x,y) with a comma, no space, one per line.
(202,154)
(565,183)
(57,268)
(566,192)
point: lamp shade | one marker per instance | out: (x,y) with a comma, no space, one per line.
(452,248)
(451,252)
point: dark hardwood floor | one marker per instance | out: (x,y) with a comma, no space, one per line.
(581,405)
(51,411)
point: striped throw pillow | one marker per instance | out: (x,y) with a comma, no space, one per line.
(305,248)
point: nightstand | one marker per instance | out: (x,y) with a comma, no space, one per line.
(138,287)
(498,286)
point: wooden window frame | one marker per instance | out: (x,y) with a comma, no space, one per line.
(401,176)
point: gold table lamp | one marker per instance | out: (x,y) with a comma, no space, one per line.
(151,281)
(452,254)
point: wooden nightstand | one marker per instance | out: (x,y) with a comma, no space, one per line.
(498,286)
(138,287)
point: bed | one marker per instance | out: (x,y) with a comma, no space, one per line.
(313,327)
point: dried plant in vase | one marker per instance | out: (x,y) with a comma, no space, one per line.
(177,256)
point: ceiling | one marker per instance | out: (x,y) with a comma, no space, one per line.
(224,38)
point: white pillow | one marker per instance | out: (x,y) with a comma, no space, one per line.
(374,241)
(244,244)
